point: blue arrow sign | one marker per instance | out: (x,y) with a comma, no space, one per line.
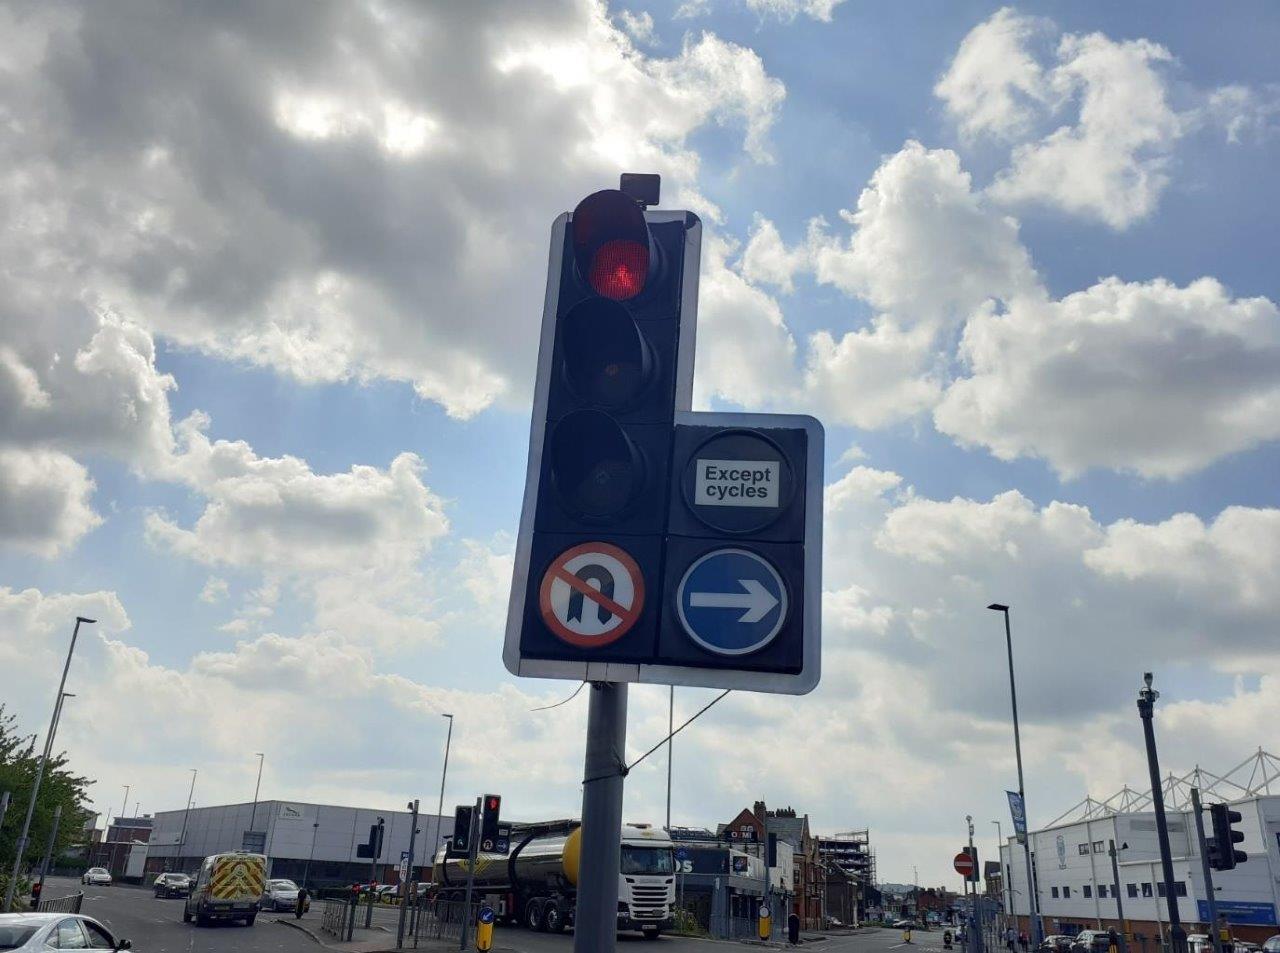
(486,914)
(732,602)
(682,853)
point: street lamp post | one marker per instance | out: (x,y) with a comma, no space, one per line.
(306,873)
(976,946)
(21,845)
(1146,711)
(253,817)
(1033,895)
(671,720)
(443,774)
(1115,886)
(182,839)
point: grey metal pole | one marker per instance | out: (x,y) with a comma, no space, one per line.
(373,870)
(53,836)
(596,927)
(407,882)
(4,807)
(1033,895)
(977,903)
(473,842)
(671,721)
(1115,881)
(1207,871)
(443,774)
(306,871)
(21,845)
(1146,710)
(1006,898)
(254,816)
(182,840)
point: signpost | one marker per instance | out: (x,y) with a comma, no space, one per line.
(656,544)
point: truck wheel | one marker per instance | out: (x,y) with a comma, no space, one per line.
(652,934)
(533,916)
(553,919)
(201,920)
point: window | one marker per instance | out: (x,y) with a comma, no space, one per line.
(1084,848)
(1066,893)
(1055,892)
(1180,888)
(1160,888)
(1146,890)
(1088,892)
(1099,846)
(70,936)
(99,939)
(1131,889)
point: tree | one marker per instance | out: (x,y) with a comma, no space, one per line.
(18,763)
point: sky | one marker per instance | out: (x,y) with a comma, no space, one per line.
(272,278)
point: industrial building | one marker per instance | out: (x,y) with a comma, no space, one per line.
(1072,863)
(312,843)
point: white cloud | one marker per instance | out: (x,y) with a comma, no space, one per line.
(638,25)
(788,10)
(1147,377)
(994,85)
(1111,165)
(1244,112)
(320,200)
(767,261)
(44,501)
(277,515)
(215,590)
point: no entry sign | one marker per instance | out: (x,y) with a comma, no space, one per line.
(964,865)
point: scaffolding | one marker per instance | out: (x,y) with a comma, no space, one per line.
(1263,770)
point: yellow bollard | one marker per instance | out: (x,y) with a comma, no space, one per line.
(906,935)
(484,929)
(764,923)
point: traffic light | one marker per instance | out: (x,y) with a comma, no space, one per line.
(604,410)
(36,887)
(1223,855)
(460,842)
(491,806)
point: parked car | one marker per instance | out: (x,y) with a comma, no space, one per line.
(387,893)
(1244,946)
(1091,941)
(280,895)
(97,876)
(172,885)
(45,931)
(1056,943)
(906,925)
(1272,945)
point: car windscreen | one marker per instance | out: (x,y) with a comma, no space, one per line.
(12,937)
(647,860)
(283,885)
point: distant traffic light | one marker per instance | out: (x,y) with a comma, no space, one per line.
(490,809)
(460,842)
(372,849)
(1224,855)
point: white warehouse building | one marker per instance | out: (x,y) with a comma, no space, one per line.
(313,842)
(1072,868)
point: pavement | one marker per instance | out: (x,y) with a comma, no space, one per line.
(155,926)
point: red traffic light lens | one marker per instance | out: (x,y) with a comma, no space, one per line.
(611,244)
(619,269)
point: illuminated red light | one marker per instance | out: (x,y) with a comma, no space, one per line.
(619,269)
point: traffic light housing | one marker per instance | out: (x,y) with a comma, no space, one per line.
(36,887)
(372,849)
(1223,854)
(460,842)
(491,807)
(606,403)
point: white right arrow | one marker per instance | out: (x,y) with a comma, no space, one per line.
(757,600)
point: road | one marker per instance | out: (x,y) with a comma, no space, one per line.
(155,926)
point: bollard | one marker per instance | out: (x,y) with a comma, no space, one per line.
(793,930)
(906,934)
(484,929)
(764,923)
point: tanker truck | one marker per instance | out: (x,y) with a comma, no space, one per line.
(537,883)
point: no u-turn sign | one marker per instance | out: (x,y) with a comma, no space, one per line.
(591,595)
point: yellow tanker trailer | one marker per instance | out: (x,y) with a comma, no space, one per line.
(537,884)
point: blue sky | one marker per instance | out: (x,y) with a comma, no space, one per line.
(329,244)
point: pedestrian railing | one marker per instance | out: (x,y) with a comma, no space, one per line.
(338,918)
(69,904)
(441,919)
(734,928)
